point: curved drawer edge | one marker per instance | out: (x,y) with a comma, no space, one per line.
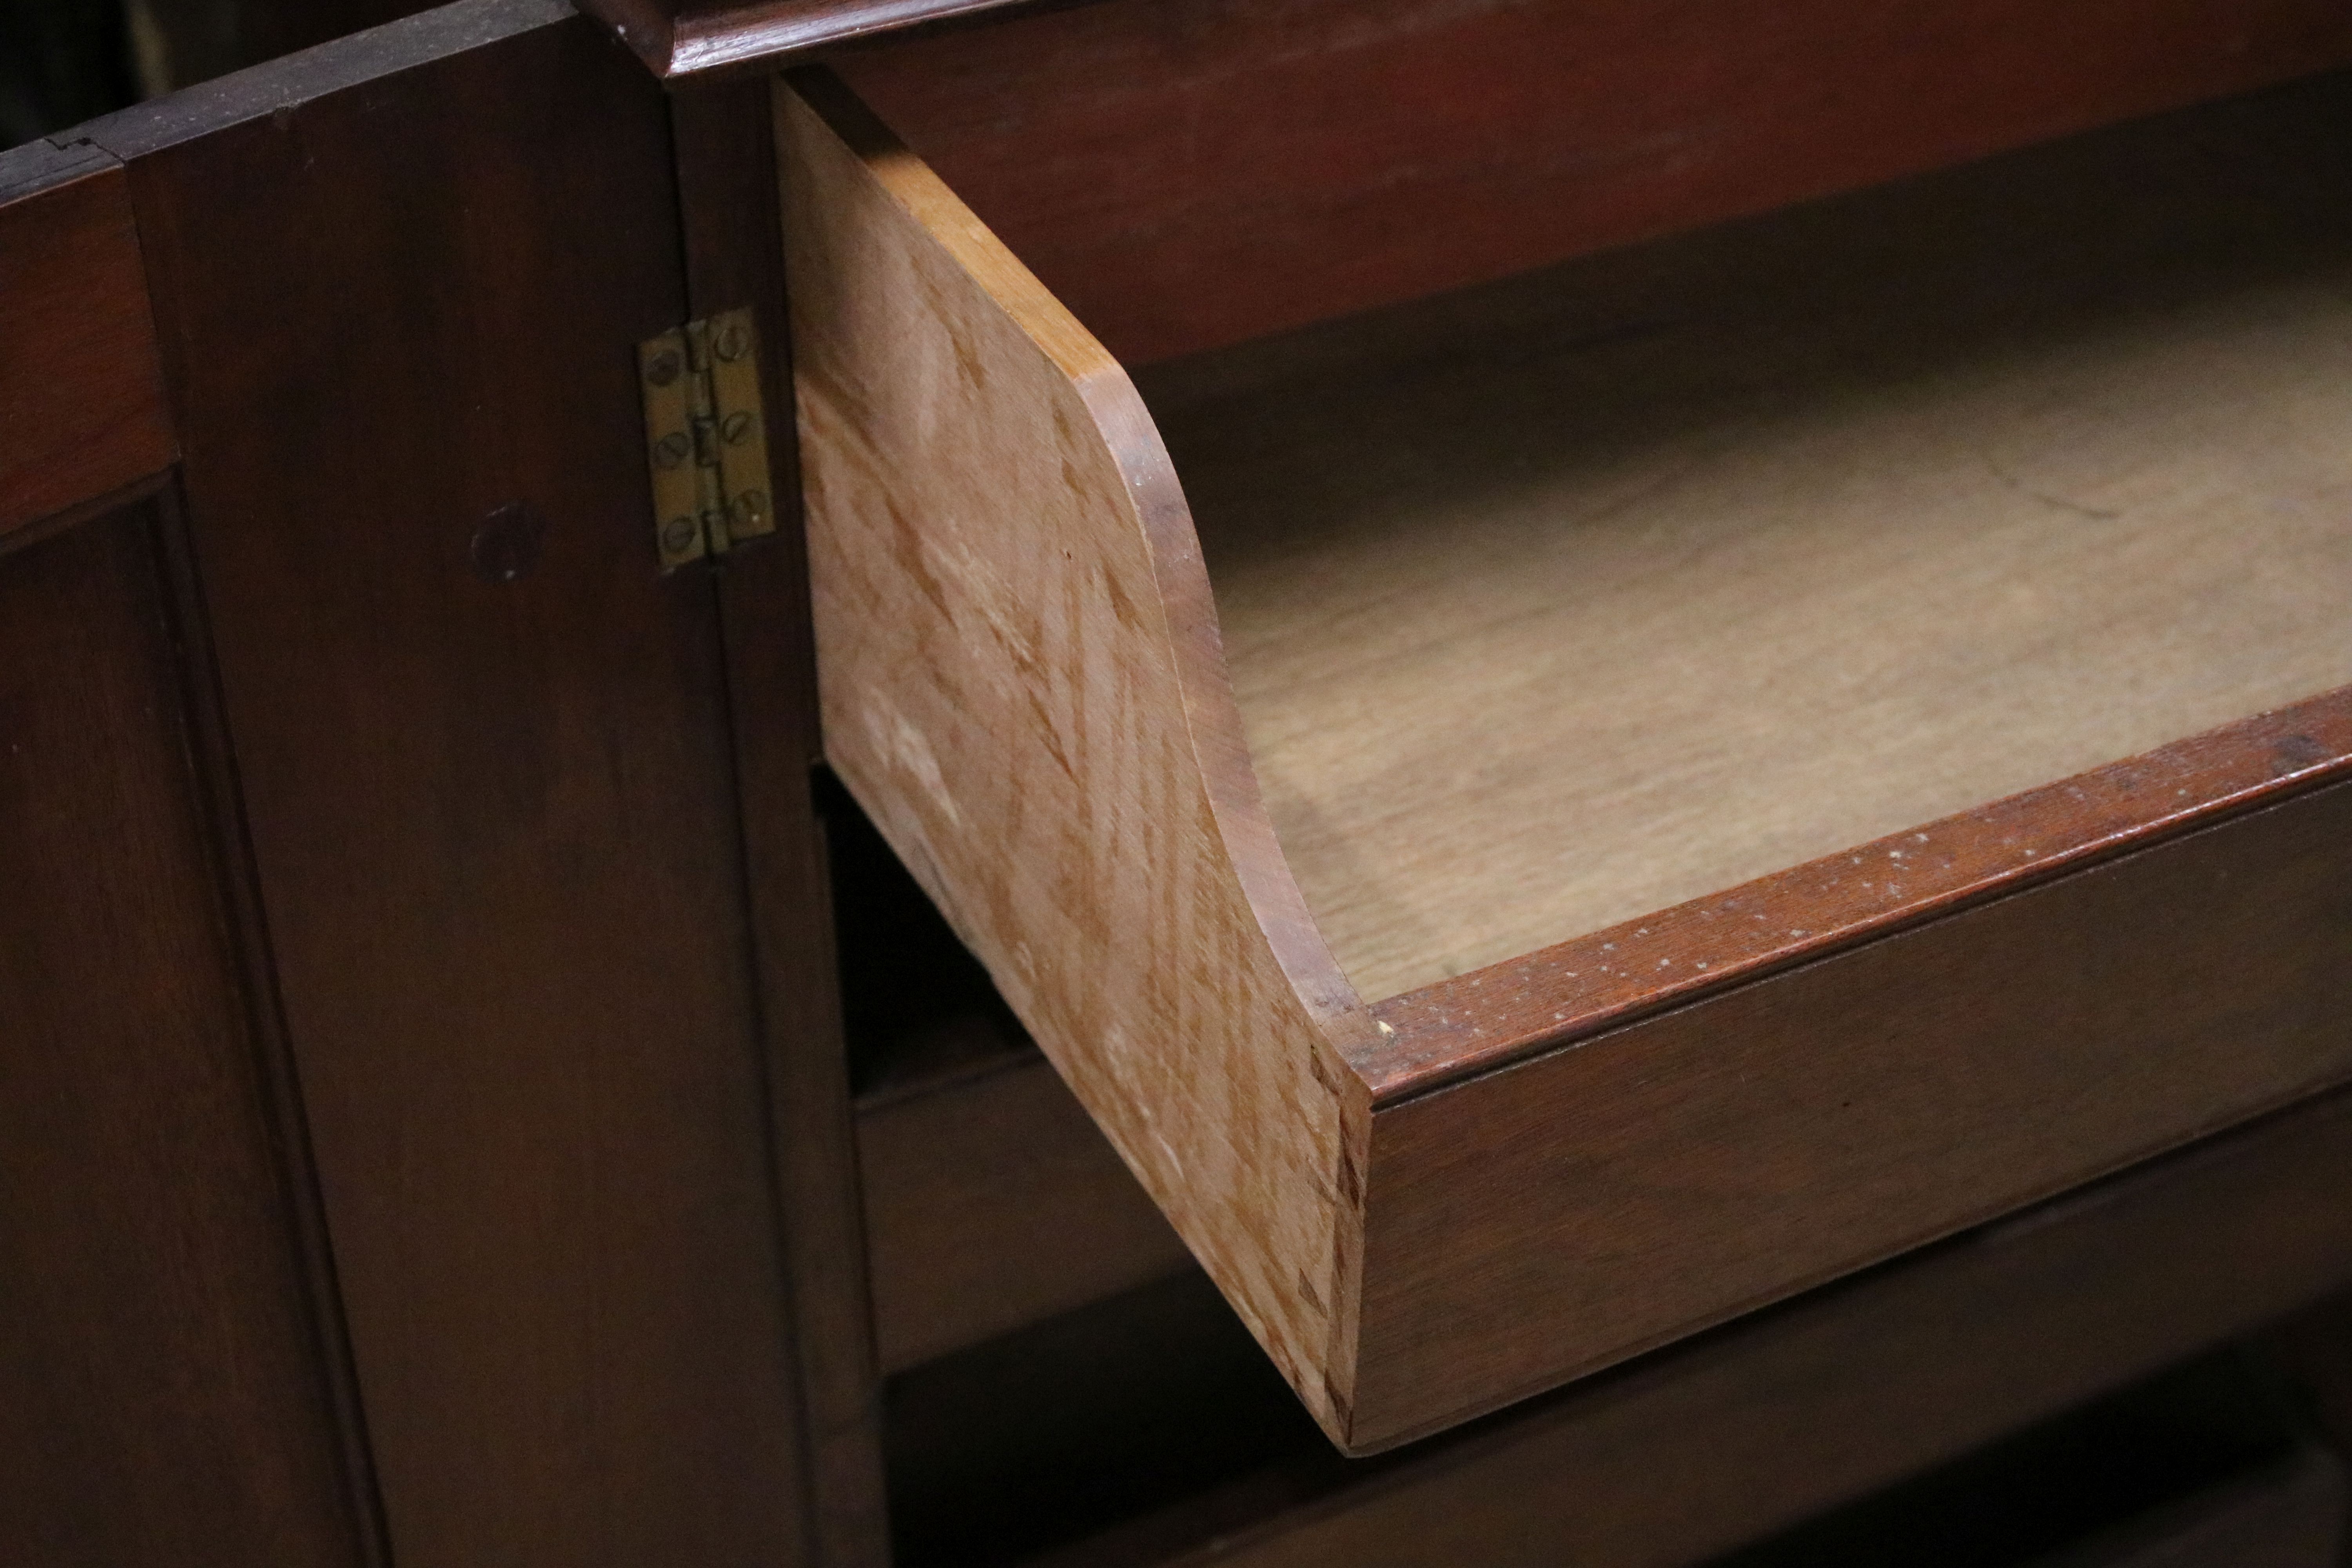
(1022,681)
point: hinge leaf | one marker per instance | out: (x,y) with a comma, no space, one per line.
(706,438)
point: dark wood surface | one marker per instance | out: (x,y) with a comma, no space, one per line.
(1699,1448)
(188,41)
(399,282)
(582,1131)
(681,40)
(169,1372)
(734,255)
(2289,1516)
(1190,173)
(82,398)
(2204,1463)
(1761,1141)
(992,1203)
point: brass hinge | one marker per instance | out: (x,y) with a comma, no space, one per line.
(706,438)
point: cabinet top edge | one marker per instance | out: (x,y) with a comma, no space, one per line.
(691,42)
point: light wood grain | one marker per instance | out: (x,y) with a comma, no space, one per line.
(1553,608)
(1020,681)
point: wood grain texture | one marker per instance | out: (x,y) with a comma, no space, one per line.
(1691,1452)
(1531,1218)
(1742,1148)
(1785,538)
(164,1384)
(399,281)
(1190,173)
(992,1202)
(82,395)
(1021,683)
(725,148)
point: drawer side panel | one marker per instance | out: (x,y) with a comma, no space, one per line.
(1020,679)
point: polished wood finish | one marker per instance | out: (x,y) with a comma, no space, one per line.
(81,396)
(992,1202)
(734,254)
(1450,1201)
(1696,1450)
(1190,173)
(169,1384)
(492,812)
(1779,1134)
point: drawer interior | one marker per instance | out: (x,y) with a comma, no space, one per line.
(1563,601)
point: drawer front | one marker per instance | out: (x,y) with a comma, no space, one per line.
(1434,1205)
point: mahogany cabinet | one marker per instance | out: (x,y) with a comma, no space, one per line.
(393,1005)
(1612,752)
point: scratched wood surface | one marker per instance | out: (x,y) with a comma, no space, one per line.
(1020,681)
(1768,544)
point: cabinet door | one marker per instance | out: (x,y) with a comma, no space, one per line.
(169,1370)
(477,804)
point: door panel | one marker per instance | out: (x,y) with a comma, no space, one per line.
(164,1388)
(482,749)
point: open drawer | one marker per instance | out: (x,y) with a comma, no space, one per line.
(1637,791)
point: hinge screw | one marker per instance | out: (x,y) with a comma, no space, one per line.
(734,342)
(672,448)
(664,368)
(736,427)
(677,535)
(752,506)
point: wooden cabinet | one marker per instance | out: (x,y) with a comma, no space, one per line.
(374,866)
(1400,751)
(1562,814)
